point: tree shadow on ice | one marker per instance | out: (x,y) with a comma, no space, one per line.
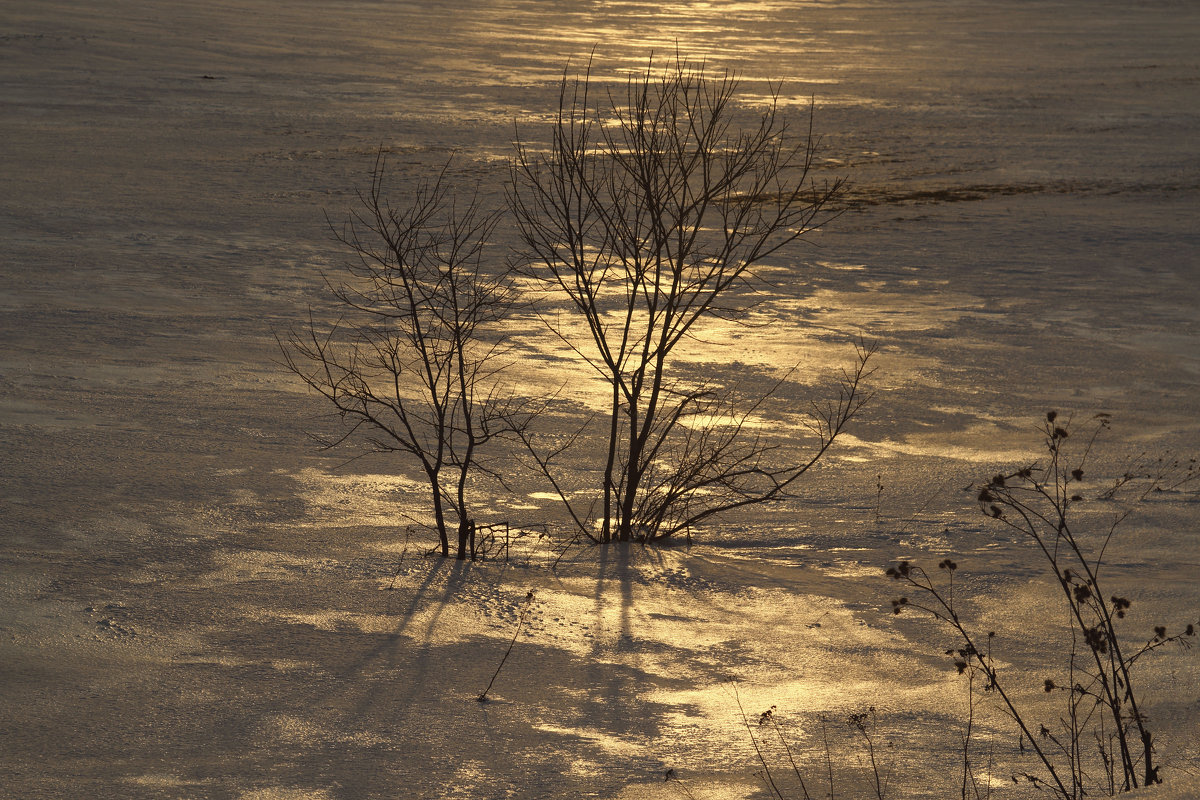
(562,720)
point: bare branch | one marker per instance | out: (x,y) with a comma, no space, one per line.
(414,364)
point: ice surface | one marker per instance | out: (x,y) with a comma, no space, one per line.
(196,603)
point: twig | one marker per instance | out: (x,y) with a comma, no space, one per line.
(483,697)
(671,776)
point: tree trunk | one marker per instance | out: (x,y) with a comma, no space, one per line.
(613,443)
(439,516)
(633,477)
(466,539)
(466,525)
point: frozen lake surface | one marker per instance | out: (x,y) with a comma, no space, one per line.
(196,602)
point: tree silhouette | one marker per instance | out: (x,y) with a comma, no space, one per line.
(648,214)
(412,365)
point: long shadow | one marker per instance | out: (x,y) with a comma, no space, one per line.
(347,679)
(615,577)
(458,574)
(374,690)
(359,684)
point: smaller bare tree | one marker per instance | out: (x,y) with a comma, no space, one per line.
(412,365)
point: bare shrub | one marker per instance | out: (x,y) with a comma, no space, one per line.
(412,366)
(1101,741)
(647,215)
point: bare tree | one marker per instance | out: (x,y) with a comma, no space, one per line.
(648,214)
(412,365)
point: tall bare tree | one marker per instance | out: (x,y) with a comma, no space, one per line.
(648,213)
(412,365)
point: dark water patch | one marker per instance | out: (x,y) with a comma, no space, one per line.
(858,197)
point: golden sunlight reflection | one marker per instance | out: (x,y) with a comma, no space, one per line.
(976,443)
(282,793)
(528,37)
(356,499)
(802,698)
(605,742)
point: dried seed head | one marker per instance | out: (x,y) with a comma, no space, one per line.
(1096,639)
